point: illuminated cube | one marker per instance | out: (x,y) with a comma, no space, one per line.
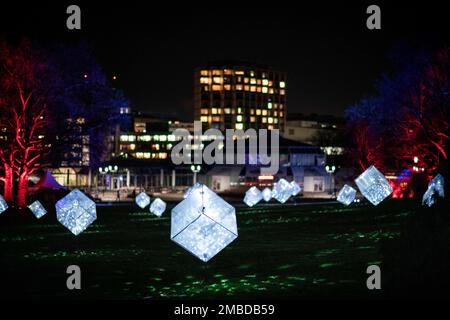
(203,223)
(373,185)
(76,211)
(436,186)
(38,209)
(282,191)
(189,190)
(267,194)
(252,196)
(3,205)
(346,195)
(158,207)
(295,188)
(142,200)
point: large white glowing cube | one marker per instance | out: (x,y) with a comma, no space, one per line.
(282,191)
(373,185)
(252,196)
(158,207)
(142,200)
(3,204)
(203,223)
(267,194)
(76,211)
(346,195)
(436,186)
(295,188)
(38,209)
(189,190)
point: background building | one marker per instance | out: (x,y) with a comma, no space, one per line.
(235,95)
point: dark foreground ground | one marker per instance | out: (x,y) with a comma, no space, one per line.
(303,251)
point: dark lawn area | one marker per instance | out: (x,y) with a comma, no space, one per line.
(302,251)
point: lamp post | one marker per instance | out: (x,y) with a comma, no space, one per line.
(331,170)
(195,169)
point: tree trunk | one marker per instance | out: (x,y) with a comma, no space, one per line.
(22,191)
(8,184)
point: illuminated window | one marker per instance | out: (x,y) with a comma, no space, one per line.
(264,120)
(258,112)
(218,80)
(246,80)
(271,91)
(264,90)
(239,110)
(258,81)
(252,81)
(252,88)
(247,88)
(252,73)
(162,155)
(239,87)
(269,105)
(270,127)
(206,88)
(275,113)
(217,87)
(276,120)
(252,111)
(132,146)
(144,138)
(227,71)
(270,83)
(282,92)
(239,126)
(219,110)
(204,119)
(162,138)
(171,137)
(214,110)
(270,120)
(264,112)
(239,118)
(204,111)
(282,84)
(258,89)
(204,72)
(239,79)
(204,80)
(156,146)
(227,87)
(169,146)
(281,114)
(265,82)
(216,119)
(281,106)
(216,72)
(252,119)
(227,110)
(239,72)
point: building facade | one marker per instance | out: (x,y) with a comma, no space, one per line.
(233,95)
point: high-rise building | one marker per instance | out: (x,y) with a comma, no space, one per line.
(234,95)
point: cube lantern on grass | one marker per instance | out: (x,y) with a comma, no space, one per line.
(295,188)
(373,185)
(435,188)
(346,195)
(203,223)
(158,207)
(252,196)
(38,209)
(282,191)
(76,211)
(3,205)
(267,194)
(142,200)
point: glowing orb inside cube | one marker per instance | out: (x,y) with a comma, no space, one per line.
(267,194)
(158,207)
(76,211)
(252,196)
(3,205)
(373,185)
(295,188)
(436,186)
(203,223)
(142,200)
(38,209)
(282,191)
(346,195)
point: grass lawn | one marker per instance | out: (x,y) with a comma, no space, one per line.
(303,251)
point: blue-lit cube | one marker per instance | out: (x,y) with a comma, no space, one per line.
(346,195)
(76,211)
(38,209)
(267,194)
(373,185)
(142,200)
(252,196)
(282,191)
(3,205)
(295,188)
(158,207)
(435,188)
(203,223)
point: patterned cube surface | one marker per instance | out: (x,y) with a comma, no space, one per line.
(295,188)
(252,196)
(158,207)
(76,211)
(3,205)
(435,188)
(267,194)
(38,209)
(346,195)
(282,191)
(203,223)
(373,185)
(142,200)
(189,190)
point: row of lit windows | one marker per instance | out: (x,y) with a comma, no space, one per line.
(145,138)
(240,126)
(155,146)
(150,155)
(240,87)
(239,119)
(229,72)
(258,112)
(252,81)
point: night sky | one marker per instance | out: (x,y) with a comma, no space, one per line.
(331,58)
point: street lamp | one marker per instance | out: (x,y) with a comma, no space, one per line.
(195,170)
(331,170)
